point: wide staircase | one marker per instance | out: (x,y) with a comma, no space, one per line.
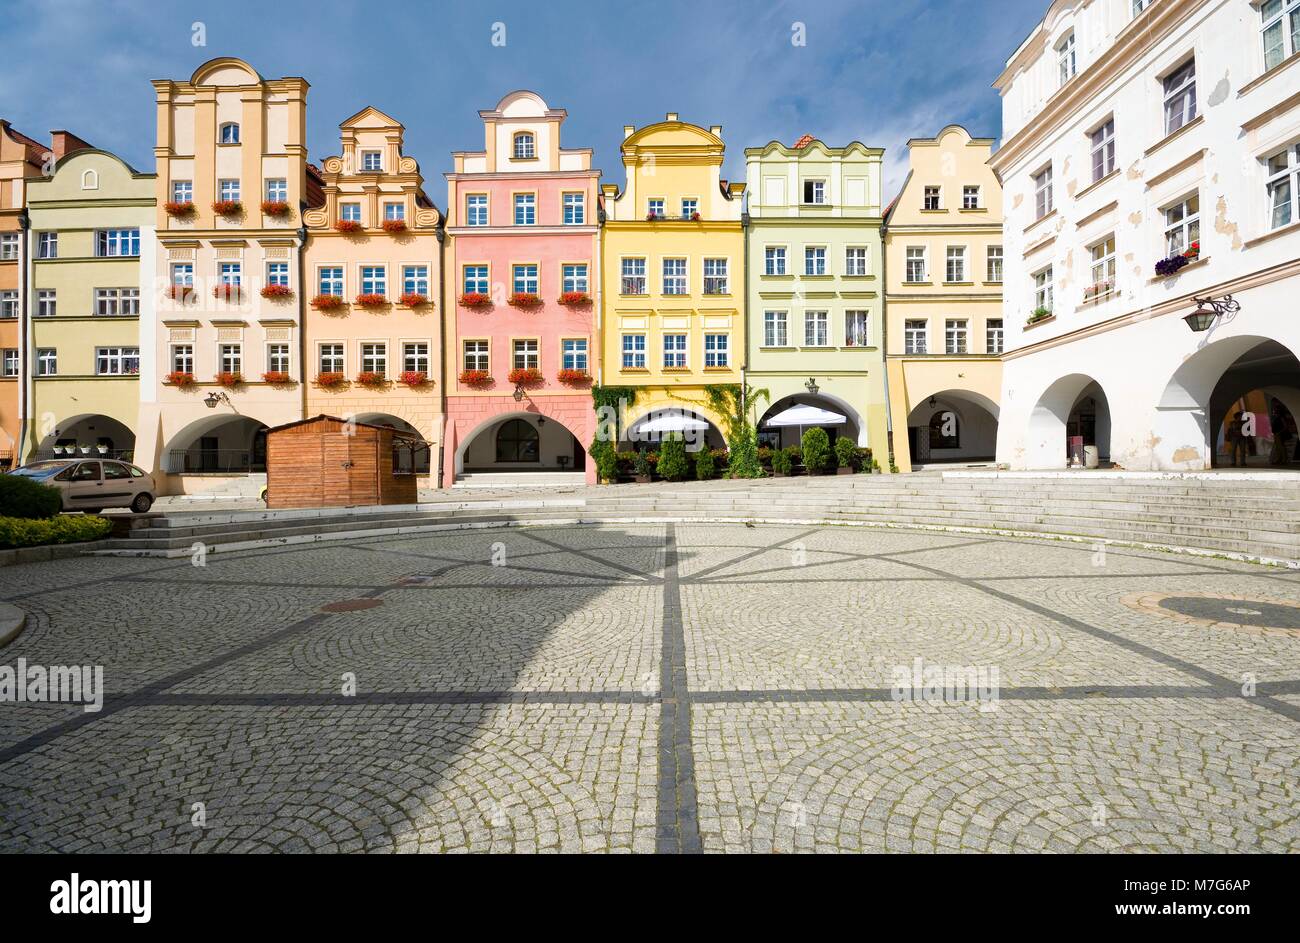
(1254,518)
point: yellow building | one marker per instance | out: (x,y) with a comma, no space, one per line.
(672,312)
(943,303)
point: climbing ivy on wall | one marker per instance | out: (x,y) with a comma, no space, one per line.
(607,402)
(732,401)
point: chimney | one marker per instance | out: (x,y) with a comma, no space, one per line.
(628,131)
(65,142)
(671,116)
(716,130)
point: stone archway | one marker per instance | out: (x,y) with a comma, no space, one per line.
(1073,405)
(953,425)
(854,428)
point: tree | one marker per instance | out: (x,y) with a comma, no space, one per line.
(672,458)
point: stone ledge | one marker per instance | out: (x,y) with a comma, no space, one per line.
(44,553)
(12,622)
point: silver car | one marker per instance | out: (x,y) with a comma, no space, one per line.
(93,484)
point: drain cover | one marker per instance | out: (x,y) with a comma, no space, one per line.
(351,605)
(1255,612)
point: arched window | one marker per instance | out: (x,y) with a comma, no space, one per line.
(229,133)
(517,441)
(525,146)
(90,180)
(945,430)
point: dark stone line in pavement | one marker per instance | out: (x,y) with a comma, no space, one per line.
(395,698)
(677,819)
(1073,692)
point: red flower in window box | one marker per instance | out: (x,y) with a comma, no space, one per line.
(277,291)
(475,377)
(347,225)
(229,380)
(275,377)
(476,299)
(180,292)
(652,216)
(276,208)
(228,207)
(394,225)
(414,378)
(179,210)
(372,300)
(225,291)
(575,298)
(568,375)
(330,381)
(525,299)
(413,299)
(1193,251)
(695,216)
(371,379)
(525,376)
(180,378)
(327,302)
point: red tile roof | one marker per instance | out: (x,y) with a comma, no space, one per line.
(803,142)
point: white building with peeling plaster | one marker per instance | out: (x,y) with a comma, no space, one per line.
(1151,157)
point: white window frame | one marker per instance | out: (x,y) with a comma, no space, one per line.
(776,328)
(475,279)
(415,280)
(1180,107)
(855,260)
(916,336)
(573,277)
(817,187)
(278,357)
(633,274)
(1102,149)
(857,328)
(774,260)
(1044,289)
(329,279)
(230,358)
(524,278)
(633,347)
(916,263)
(1285,179)
(228,133)
(955,264)
(956,336)
(415,357)
(814,261)
(228,190)
(182,358)
(1043,197)
(374,280)
(525,209)
(817,328)
(374,357)
(47,361)
(994,336)
(575,209)
(715,276)
(675,278)
(1276,16)
(1184,228)
(372,161)
(331,357)
(574,353)
(476,354)
(47,245)
(994,254)
(1102,266)
(523,146)
(970,197)
(476,209)
(676,347)
(277,190)
(525,353)
(1067,58)
(47,302)
(932,198)
(717,350)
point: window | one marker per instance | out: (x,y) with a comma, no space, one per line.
(183,358)
(8,304)
(476,355)
(1180,97)
(229,133)
(814,191)
(857,329)
(774,329)
(674,351)
(182,191)
(1283,182)
(574,353)
(231,358)
(993,336)
(915,337)
(47,361)
(10,362)
(331,280)
(117,302)
(774,260)
(374,280)
(8,246)
(47,245)
(1043,290)
(1140,5)
(372,161)
(117,242)
(993,258)
(350,212)
(415,280)
(1067,61)
(231,273)
(633,351)
(1103,150)
(228,190)
(574,277)
(117,361)
(655,207)
(689,208)
(1281,36)
(394,211)
(674,276)
(374,358)
(518,441)
(524,281)
(956,264)
(970,198)
(277,190)
(525,146)
(716,350)
(816,329)
(715,276)
(525,354)
(1103,268)
(331,358)
(525,209)
(814,260)
(575,209)
(277,273)
(476,279)
(855,260)
(183,274)
(954,336)
(915,264)
(277,358)
(476,209)
(1043,193)
(46,303)
(415,357)
(634,277)
(932,198)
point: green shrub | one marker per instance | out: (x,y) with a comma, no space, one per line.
(705,465)
(742,458)
(22,497)
(606,458)
(845,452)
(67,529)
(672,458)
(816,450)
(782,462)
(641,465)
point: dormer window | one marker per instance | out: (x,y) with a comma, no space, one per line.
(372,161)
(814,191)
(1067,58)
(229,133)
(525,146)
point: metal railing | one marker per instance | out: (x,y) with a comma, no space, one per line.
(196,461)
(123,455)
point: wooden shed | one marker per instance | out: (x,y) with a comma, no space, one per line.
(331,462)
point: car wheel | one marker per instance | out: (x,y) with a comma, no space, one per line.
(141,503)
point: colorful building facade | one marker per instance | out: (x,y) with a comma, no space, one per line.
(92,222)
(522,287)
(944,268)
(815,334)
(373,332)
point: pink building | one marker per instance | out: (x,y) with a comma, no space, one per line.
(522,291)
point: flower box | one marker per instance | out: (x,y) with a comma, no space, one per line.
(414,378)
(179,210)
(1099,290)
(372,301)
(277,208)
(347,225)
(225,291)
(1172,265)
(327,302)
(652,216)
(475,299)
(1039,314)
(394,225)
(371,379)
(524,299)
(475,377)
(180,292)
(277,291)
(330,381)
(573,376)
(180,378)
(525,376)
(695,217)
(276,377)
(229,380)
(575,298)
(413,299)
(227,207)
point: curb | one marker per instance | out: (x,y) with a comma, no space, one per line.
(12,622)
(45,553)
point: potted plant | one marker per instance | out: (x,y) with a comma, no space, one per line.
(371,379)
(276,291)
(475,299)
(179,209)
(180,378)
(225,291)
(85,449)
(1172,264)
(327,302)
(524,299)
(575,298)
(526,376)
(652,216)
(413,299)
(371,300)
(229,379)
(275,377)
(330,380)
(277,208)
(846,454)
(875,467)
(102,449)
(641,468)
(1039,314)
(394,225)
(347,225)
(414,378)
(227,207)
(816,450)
(695,216)
(180,292)
(572,377)
(672,458)
(475,377)
(706,464)
(782,463)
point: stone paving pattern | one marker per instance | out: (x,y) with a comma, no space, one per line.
(673,687)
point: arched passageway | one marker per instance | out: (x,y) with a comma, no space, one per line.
(415,461)
(785,436)
(521,441)
(650,429)
(1069,425)
(217,445)
(88,434)
(953,426)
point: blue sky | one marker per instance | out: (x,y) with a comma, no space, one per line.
(880,71)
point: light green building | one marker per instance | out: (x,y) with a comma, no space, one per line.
(92,222)
(814,287)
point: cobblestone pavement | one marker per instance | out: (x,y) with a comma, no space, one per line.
(672,688)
